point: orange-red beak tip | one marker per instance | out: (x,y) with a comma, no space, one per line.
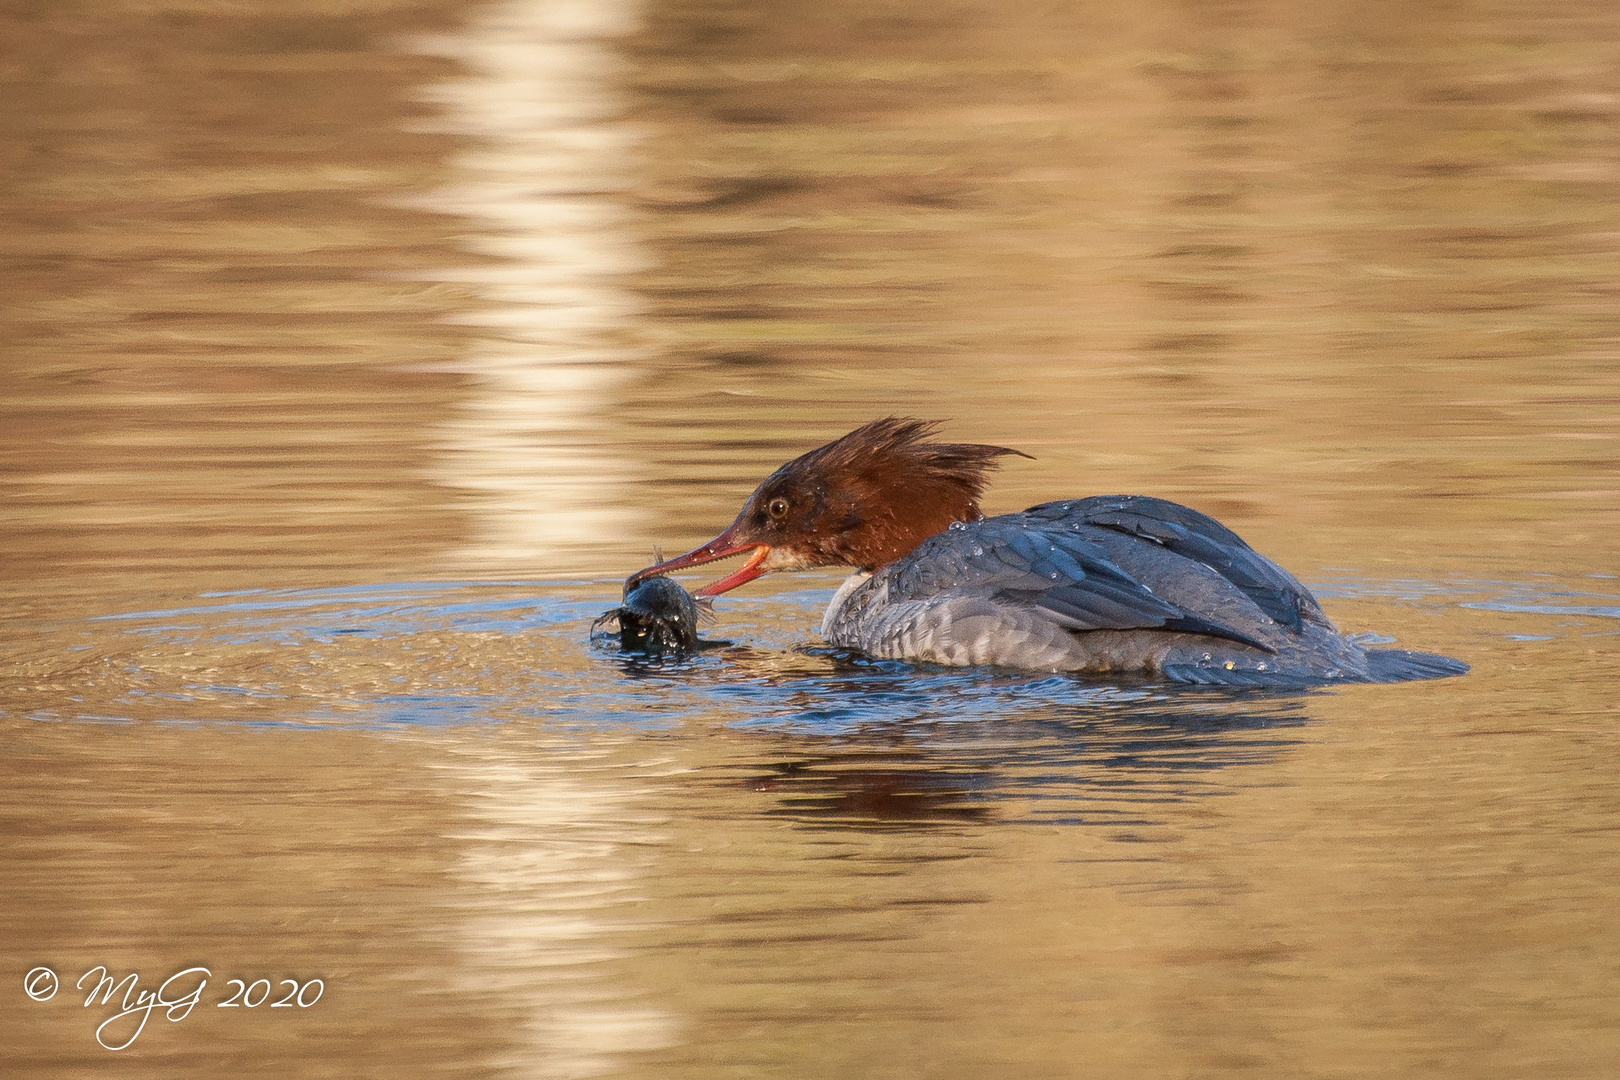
(721,547)
(748,571)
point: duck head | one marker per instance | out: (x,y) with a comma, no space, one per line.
(863,500)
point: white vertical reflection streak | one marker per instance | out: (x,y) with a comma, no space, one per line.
(556,849)
(532,445)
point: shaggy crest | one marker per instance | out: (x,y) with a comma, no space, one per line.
(864,500)
(880,491)
(895,451)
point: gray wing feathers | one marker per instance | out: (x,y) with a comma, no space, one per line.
(1064,575)
(1059,577)
(969,630)
(1201,538)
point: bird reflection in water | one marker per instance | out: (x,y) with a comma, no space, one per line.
(1106,764)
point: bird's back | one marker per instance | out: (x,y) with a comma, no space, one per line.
(1105,585)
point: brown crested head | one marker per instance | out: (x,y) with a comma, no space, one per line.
(870,497)
(863,500)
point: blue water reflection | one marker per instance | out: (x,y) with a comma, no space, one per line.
(827,737)
(440,654)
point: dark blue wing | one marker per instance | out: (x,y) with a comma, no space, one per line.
(1201,538)
(1013,560)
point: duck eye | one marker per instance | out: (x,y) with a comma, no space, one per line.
(778,508)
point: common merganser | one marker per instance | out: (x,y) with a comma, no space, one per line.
(1103,585)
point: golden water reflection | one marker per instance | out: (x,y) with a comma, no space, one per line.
(542,188)
(306,306)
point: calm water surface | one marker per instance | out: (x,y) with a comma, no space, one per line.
(354,353)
